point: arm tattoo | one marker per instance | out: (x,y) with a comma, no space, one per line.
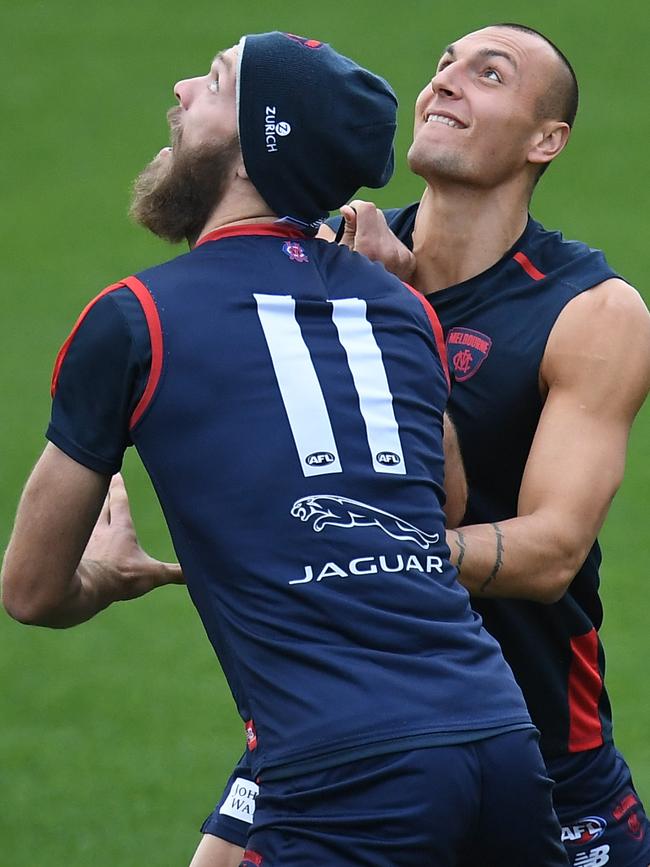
(498,561)
(460,541)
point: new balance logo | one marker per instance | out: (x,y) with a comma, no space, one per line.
(593,858)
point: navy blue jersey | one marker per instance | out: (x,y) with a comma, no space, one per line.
(286,397)
(496,326)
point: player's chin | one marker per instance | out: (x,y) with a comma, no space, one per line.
(418,159)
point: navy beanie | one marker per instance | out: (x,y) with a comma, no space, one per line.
(313,125)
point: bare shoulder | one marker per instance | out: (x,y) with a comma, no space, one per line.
(601,341)
(612,304)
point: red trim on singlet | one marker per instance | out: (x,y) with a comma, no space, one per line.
(60,358)
(155,335)
(436,327)
(585,687)
(528,266)
(251,229)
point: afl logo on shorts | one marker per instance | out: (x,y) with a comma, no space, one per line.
(466,350)
(584,831)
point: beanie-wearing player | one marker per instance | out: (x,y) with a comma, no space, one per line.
(286,396)
(538,333)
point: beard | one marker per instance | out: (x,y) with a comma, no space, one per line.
(174,196)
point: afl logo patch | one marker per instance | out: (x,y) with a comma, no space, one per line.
(467,350)
(319,459)
(584,831)
(388,458)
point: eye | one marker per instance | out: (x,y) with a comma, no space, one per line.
(492,74)
(443,65)
(214,85)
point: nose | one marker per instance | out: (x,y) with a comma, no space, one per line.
(447,82)
(183,91)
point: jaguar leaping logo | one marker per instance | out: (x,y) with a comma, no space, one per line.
(326,509)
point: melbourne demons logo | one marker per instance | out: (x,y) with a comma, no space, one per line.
(327,510)
(630,805)
(467,350)
(294,251)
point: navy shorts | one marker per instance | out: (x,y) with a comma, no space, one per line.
(603,821)
(232,818)
(487,802)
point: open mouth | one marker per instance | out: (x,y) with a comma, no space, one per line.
(453,122)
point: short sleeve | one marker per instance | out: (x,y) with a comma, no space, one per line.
(100,378)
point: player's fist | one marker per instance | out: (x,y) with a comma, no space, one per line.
(366,231)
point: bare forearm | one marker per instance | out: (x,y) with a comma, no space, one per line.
(64,564)
(91,589)
(58,602)
(518,558)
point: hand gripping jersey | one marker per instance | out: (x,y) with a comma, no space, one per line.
(286,397)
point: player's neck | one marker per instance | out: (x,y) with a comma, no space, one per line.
(460,233)
(236,207)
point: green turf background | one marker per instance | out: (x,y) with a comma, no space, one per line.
(116,736)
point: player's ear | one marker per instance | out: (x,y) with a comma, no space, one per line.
(549,140)
(241,169)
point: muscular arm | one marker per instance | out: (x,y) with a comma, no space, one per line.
(596,372)
(45,581)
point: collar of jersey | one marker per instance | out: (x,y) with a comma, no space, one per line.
(275,230)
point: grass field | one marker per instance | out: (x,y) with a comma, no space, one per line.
(116,736)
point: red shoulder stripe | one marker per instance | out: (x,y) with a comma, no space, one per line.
(585,687)
(528,266)
(155,335)
(436,327)
(60,358)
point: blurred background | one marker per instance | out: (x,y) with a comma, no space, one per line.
(116,737)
